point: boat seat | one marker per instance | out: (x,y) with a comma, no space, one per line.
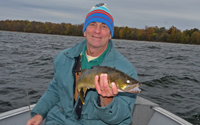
(142,111)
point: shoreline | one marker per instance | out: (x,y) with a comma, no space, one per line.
(112,38)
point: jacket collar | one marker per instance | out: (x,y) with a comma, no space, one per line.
(107,61)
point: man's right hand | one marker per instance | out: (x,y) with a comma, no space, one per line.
(36,120)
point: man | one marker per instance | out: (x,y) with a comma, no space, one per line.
(61,105)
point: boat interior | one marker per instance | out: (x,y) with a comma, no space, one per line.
(145,112)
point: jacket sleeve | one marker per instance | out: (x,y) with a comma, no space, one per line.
(48,99)
(119,111)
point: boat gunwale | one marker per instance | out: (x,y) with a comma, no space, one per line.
(171,116)
(15,112)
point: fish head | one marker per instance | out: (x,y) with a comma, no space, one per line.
(128,84)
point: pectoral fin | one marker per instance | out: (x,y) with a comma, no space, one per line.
(81,95)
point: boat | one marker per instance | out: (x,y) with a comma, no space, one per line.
(145,112)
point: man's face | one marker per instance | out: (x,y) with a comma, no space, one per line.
(97,35)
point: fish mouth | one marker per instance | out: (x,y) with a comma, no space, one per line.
(131,89)
(135,90)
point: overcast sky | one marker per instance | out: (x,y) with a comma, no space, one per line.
(183,14)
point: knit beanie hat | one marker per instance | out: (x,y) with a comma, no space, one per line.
(100,13)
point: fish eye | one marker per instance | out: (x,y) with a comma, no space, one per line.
(128,81)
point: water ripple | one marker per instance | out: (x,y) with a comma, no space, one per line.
(169,72)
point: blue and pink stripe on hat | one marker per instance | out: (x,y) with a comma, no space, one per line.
(100,14)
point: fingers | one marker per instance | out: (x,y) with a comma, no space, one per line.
(30,122)
(36,120)
(103,82)
(114,89)
(37,123)
(103,87)
(97,84)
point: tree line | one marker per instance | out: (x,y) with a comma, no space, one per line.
(172,35)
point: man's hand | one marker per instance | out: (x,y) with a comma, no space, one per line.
(36,120)
(103,89)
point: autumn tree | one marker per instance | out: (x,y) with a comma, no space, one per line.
(173,31)
(28,27)
(172,34)
(195,38)
(164,36)
(141,34)
(149,34)
(125,33)
(116,32)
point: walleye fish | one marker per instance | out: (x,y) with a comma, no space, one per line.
(123,82)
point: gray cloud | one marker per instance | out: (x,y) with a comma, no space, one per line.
(182,14)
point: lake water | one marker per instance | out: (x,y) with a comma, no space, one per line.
(170,73)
